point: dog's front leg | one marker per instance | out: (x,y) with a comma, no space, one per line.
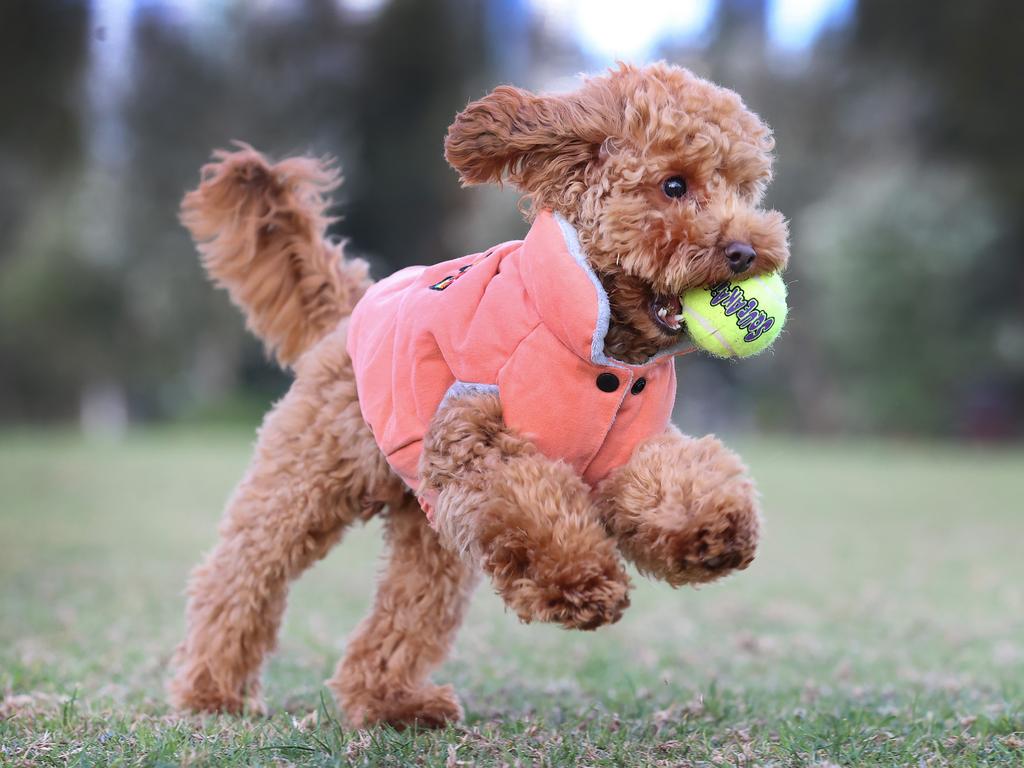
(683,509)
(526,520)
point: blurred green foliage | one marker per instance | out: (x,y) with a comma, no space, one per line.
(898,166)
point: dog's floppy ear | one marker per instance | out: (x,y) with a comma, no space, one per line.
(512,133)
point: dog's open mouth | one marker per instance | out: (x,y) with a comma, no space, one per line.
(667,312)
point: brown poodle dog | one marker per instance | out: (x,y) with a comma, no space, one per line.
(657,176)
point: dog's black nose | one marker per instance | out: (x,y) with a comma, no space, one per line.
(740,256)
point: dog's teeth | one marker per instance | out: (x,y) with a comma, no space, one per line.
(679,318)
(663,312)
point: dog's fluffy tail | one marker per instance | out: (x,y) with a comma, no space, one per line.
(260,229)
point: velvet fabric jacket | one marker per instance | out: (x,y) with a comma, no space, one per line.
(525,320)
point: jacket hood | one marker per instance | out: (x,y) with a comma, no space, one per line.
(568,295)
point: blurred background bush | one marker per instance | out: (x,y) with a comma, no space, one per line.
(899,167)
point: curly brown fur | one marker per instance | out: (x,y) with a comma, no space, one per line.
(682,509)
(315,471)
(420,602)
(260,230)
(527,520)
(599,156)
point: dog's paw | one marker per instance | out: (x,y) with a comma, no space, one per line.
(683,510)
(195,690)
(430,706)
(585,603)
(584,592)
(721,536)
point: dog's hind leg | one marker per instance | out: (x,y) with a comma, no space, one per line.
(420,602)
(315,471)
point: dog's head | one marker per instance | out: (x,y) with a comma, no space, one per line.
(661,173)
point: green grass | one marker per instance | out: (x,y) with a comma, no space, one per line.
(882,624)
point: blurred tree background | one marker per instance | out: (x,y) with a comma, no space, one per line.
(897,166)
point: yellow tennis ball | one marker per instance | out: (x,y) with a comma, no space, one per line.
(736,318)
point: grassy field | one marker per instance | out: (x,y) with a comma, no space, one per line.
(882,624)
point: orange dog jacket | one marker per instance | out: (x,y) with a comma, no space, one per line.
(525,320)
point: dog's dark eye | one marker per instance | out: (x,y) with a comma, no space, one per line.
(674,187)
